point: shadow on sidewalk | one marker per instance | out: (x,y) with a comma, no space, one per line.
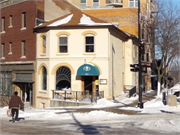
(19,119)
(88,129)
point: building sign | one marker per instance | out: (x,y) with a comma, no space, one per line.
(86,68)
(103,81)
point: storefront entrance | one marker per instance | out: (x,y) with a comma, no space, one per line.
(88,84)
(89,76)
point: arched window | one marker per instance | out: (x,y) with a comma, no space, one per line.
(63,78)
(89,43)
(63,44)
(43,44)
(44,78)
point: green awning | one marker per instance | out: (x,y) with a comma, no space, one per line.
(88,70)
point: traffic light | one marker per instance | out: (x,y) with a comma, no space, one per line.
(135,67)
(141,48)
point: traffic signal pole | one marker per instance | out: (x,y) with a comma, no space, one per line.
(140,103)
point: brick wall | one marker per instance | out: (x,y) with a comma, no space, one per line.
(15,35)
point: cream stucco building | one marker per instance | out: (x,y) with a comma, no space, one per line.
(82,53)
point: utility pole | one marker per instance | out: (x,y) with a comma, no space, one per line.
(140,103)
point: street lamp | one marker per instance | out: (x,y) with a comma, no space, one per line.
(140,103)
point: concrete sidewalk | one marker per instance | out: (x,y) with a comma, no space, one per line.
(145,97)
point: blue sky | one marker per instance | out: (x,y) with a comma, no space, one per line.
(177,2)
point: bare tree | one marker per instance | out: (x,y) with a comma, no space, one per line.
(174,69)
(167,32)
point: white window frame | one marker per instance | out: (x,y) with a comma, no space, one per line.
(133,2)
(86,49)
(63,45)
(96,4)
(84,5)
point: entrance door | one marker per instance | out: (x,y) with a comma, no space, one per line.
(27,94)
(88,84)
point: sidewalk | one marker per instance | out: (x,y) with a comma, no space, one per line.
(145,97)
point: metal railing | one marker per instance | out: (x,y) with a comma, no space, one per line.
(77,96)
(131,89)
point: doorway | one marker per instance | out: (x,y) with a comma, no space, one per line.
(88,84)
(27,94)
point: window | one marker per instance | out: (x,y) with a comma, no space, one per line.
(83,3)
(113,1)
(95,3)
(147,57)
(10,21)
(44,78)
(44,44)
(3,24)
(3,50)
(63,44)
(89,40)
(23,19)
(10,47)
(6,83)
(23,48)
(133,3)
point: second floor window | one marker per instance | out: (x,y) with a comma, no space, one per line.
(23,19)
(89,43)
(10,20)
(133,3)
(23,48)
(83,3)
(63,44)
(44,44)
(3,50)
(3,24)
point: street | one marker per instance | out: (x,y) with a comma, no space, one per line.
(127,125)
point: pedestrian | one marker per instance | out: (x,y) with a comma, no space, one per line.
(14,104)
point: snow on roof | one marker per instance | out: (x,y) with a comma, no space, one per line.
(62,21)
(86,20)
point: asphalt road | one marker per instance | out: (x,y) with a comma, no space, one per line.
(75,127)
